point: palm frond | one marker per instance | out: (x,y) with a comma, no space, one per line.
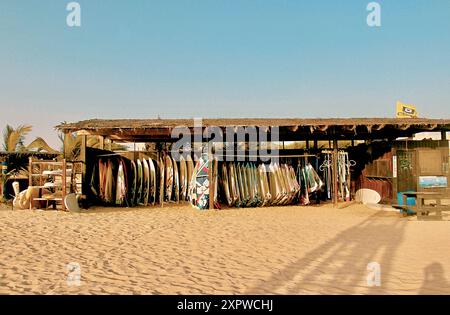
(13,138)
(6,135)
(71,145)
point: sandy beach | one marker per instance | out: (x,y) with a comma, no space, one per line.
(180,250)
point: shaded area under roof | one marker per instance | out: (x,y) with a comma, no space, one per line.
(148,130)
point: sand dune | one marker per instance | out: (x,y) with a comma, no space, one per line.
(180,250)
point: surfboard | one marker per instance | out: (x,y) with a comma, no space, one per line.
(121,190)
(71,203)
(274,185)
(153,187)
(183,178)
(226,185)
(145,182)
(168,177)
(132,187)
(232,184)
(214,170)
(367,196)
(162,172)
(189,172)
(264,185)
(139,190)
(176,181)
(101,179)
(200,191)
(238,184)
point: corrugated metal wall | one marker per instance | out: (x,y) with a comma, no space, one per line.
(377,175)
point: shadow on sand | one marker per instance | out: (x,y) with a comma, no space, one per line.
(434,281)
(339,266)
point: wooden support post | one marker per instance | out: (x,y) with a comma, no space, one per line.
(335,172)
(30,178)
(30,171)
(162,158)
(394,173)
(443,135)
(101,142)
(211,179)
(82,159)
(64,184)
(108,144)
(66,146)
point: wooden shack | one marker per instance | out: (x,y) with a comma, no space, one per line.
(381,159)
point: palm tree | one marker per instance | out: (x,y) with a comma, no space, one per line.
(13,138)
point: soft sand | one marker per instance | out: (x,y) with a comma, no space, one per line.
(177,249)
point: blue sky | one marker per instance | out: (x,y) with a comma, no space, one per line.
(220,58)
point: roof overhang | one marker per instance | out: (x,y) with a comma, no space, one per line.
(290,129)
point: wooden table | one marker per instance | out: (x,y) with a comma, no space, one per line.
(432,211)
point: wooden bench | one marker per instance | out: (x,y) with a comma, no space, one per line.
(430,211)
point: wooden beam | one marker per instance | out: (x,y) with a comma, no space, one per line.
(404,126)
(83,133)
(322,128)
(293,128)
(431,127)
(378,127)
(349,128)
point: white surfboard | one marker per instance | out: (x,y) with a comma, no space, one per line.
(146,182)
(71,203)
(189,174)
(152,190)
(367,196)
(176,181)
(168,177)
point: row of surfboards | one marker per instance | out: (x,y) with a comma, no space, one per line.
(252,185)
(149,181)
(144,182)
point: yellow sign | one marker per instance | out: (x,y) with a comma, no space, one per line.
(406,111)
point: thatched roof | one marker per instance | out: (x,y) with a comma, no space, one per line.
(312,128)
(223,122)
(40,155)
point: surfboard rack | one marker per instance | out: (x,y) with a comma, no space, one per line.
(43,171)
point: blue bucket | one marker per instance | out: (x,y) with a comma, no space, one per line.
(410,201)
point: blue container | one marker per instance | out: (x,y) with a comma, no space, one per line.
(410,201)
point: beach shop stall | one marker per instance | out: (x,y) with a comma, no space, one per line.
(14,168)
(406,165)
(316,160)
